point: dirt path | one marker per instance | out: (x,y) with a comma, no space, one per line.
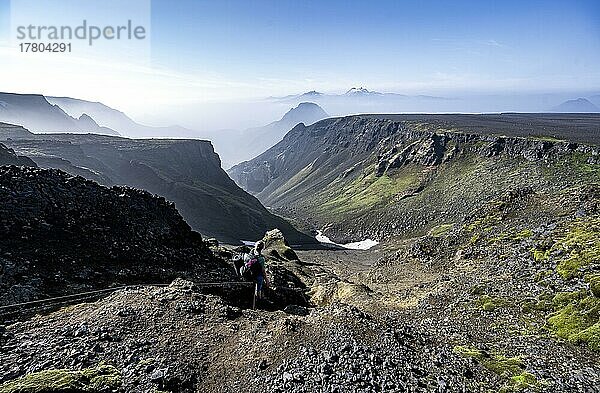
(363,278)
(341,263)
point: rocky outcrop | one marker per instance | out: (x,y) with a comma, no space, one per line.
(62,234)
(278,247)
(433,149)
(12,131)
(139,331)
(428,151)
(8,157)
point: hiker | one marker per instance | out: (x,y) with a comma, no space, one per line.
(261,275)
(254,268)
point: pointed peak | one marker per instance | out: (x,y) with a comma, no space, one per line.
(355,91)
(87,119)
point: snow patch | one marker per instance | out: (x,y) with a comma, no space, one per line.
(361,245)
(322,238)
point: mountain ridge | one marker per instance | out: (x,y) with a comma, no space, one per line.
(113,118)
(351,92)
(36,113)
(354,176)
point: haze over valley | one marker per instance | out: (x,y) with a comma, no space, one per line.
(47,114)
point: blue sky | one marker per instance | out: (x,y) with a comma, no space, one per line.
(393,45)
(203,53)
(4,19)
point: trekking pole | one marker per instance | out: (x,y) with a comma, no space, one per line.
(254,296)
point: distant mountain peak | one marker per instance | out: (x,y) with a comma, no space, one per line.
(108,118)
(259,139)
(312,93)
(305,112)
(356,91)
(580,100)
(87,119)
(581,105)
(359,90)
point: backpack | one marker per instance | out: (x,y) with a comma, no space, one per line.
(251,269)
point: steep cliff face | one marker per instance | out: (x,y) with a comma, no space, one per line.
(187,172)
(377,176)
(432,149)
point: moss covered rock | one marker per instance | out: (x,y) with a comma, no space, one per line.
(577,318)
(490,303)
(441,230)
(522,382)
(513,369)
(498,364)
(103,378)
(581,245)
(593,281)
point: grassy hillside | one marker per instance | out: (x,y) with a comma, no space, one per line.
(381,176)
